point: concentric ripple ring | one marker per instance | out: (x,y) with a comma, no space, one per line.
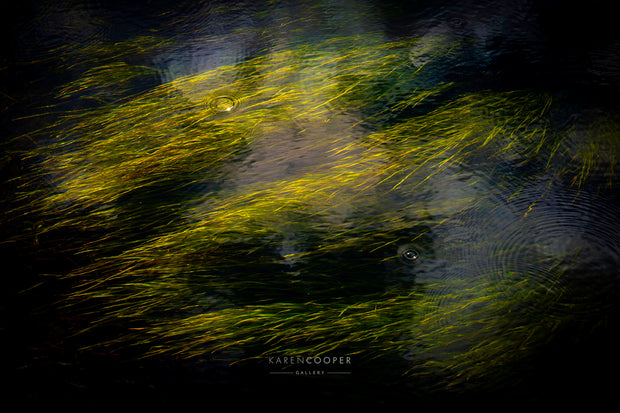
(223,103)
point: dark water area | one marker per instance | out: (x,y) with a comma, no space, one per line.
(194,190)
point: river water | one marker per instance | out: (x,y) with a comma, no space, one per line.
(417,199)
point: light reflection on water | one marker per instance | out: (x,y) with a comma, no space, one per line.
(467,232)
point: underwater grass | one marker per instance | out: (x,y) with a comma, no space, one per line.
(188,254)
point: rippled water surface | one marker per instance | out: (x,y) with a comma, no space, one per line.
(423,195)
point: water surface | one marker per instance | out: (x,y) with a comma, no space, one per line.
(192,188)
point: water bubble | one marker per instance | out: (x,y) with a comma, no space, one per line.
(223,103)
(408,254)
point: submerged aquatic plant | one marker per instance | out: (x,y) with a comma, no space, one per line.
(259,208)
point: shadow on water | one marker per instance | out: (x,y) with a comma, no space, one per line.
(418,201)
